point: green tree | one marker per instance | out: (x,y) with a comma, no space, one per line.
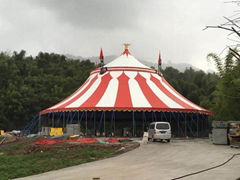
(29,85)
(226,101)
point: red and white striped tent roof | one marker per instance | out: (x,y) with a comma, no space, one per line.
(127,85)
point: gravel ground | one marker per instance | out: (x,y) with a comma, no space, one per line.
(157,161)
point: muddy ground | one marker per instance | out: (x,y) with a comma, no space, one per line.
(24,145)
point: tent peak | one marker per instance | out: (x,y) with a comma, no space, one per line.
(126,51)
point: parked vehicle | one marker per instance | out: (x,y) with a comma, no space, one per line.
(159,131)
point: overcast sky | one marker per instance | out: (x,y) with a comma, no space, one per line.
(80,28)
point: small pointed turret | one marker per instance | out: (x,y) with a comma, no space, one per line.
(101,57)
(159,63)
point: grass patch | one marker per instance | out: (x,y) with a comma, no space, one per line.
(21,165)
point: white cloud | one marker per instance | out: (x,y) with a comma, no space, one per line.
(82,27)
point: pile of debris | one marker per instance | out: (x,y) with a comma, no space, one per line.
(234,134)
(226,133)
(9,136)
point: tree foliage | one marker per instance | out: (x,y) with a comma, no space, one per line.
(30,84)
(226,101)
(197,86)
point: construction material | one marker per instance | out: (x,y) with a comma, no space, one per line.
(3,140)
(73,137)
(220,124)
(220,136)
(235,142)
(234,129)
(2,133)
(220,132)
(56,131)
(72,129)
(62,137)
(45,131)
(234,134)
(32,135)
(145,138)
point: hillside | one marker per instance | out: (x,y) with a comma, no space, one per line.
(179,66)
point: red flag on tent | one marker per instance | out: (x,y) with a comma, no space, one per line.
(159,59)
(101,57)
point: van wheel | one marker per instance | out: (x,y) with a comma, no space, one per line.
(153,140)
(168,140)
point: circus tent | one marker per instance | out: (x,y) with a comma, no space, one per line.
(126,85)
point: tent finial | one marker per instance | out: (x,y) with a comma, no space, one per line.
(126,51)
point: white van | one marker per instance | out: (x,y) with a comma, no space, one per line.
(159,131)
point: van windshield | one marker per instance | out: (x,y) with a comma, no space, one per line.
(162,126)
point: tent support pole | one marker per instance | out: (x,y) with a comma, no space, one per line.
(203,129)
(63,119)
(78,121)
(52,119)
(170,118)
(67,121)
(145,120)
(70,116)
(114,122)
(133,124)
(104,123)
(47,119)
(74,113)
(39,124)
(206,119)
(185,125)
(178,124)
(165,116)
(86,122)
(175,120)
(59,119)
(94,122)
(155,117)
(100,123)
(197,124)
(207,124)
(203,126)
(111,124)
(191,125)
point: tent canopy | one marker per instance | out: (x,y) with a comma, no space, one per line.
(127,85)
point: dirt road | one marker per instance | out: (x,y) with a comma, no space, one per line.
(157,161)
